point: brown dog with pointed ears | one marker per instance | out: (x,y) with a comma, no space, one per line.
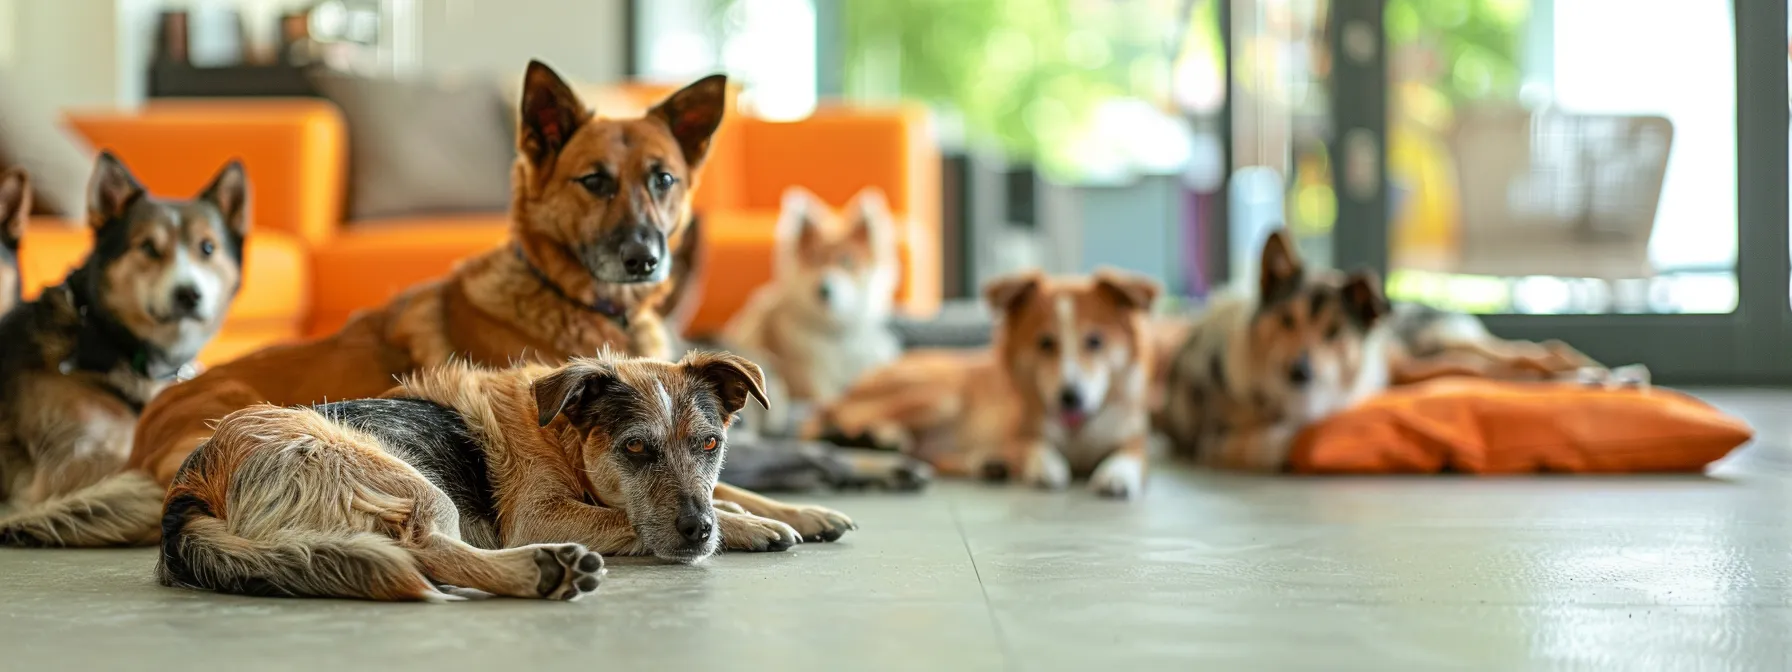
(1061,391)
(595,206)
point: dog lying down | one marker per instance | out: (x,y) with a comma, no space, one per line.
(464,482)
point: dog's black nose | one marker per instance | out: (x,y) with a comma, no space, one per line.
(695,528)
(639,259)
(186,299)
(1301,371)
(1070,399)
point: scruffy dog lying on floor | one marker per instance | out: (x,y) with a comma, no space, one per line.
(1252,370)
(464,479)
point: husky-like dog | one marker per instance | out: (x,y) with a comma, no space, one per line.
(82,359)
(1251,371)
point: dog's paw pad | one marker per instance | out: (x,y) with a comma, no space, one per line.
(568,571)
(995,472)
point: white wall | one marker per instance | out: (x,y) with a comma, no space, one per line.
(94,53)
(583,39)
(68,51)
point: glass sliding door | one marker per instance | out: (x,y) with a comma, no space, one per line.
(1607,172)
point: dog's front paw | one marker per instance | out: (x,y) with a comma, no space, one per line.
(1046,468)
(1121,476)
(816,523)
(747,532)
(568,571)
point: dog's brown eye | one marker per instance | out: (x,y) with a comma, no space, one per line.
(663,180)
(636,446)
(206,248)
(1331,331)
(1092,342)
(1288,321)
(711,443)
(149,247)
(600,184)
(1047,343)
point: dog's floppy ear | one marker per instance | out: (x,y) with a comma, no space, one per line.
(1009,292)
(550,113)
(1133,291)
(1280,272)
(693,114)
(1363,298)
(110,190)
(734,377)
(574,384)
(15,207)
(229,192)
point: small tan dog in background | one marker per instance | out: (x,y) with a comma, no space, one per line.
(1060,392)
(824,319)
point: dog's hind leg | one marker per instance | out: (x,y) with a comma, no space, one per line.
(546,571)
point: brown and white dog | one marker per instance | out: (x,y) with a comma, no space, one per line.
(596,204)
(82,359)
(1253,370)
(1061,391)
(15,211)
(824,319)
(504,482)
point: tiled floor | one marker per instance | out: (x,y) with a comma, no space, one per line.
(1207,572)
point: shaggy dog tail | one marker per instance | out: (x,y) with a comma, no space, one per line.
(124,509)
(200,551)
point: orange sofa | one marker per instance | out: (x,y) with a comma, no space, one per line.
(307,270)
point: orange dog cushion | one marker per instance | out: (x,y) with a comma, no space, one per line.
(1493,427)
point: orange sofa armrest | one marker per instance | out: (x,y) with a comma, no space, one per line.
(294,150)
(841,149)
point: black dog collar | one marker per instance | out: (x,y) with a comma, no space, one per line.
(605,307)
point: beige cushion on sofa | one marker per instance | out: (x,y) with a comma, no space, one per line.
(32,137)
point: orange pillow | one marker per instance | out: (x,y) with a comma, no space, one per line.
(1483,426)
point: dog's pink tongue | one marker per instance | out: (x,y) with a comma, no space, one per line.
(1073,420)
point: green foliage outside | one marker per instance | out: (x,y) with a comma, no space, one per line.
(1024,75)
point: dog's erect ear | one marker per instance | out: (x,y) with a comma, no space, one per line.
(572,385)
(1133,291)
(872,221)
(1280,272)
(229,191)
(797,228)
(15,207)
(734,377)
(1363,297)
(693,114)
(110,190)
(550,113)
(1009,292)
